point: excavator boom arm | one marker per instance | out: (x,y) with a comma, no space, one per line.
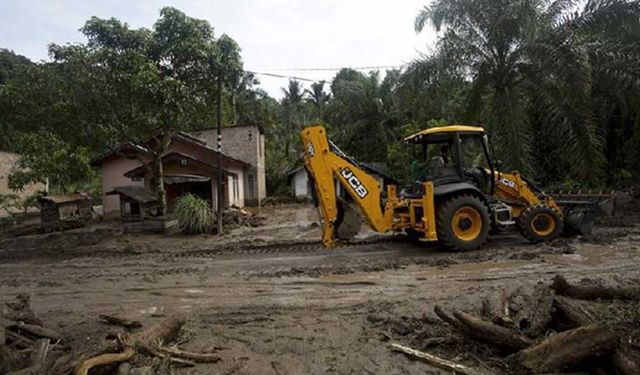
(325,166)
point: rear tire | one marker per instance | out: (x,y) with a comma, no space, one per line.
(540,223)
(463,223)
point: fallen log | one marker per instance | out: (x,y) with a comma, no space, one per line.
(571,312)
(490,332)
(437,361)
(105,359)
(567,348)
(626,363)
(18,339)
(562,287)
(35,330)
(446,317)
(165,331)
(533,313)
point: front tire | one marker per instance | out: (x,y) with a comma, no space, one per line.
(463,223)
(540,223)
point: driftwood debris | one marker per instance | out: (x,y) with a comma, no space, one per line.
(165,331)
(572,312)
(149,340)
(37,359)
(569,347)
(484,330)
(437,361)
(626,363)
(564,288)
(551,329)
(21,332)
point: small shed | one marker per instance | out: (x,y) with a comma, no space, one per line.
(300,184)
(59,212)
(139,210)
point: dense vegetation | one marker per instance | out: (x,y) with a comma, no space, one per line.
(557,83)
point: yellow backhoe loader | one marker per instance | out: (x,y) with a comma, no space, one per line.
(458,198)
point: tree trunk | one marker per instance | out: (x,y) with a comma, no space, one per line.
(490,332)
(567,348)
(573,313)
(158,175)
(626,363)
(158,172)
(483,330)
(562,287)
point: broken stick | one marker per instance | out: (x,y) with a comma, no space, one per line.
(198,357)
(437,361)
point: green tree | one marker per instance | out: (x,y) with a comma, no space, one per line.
(146,85)
(293,112)
(318,98)
(362,113)
(44,157)
(538,60)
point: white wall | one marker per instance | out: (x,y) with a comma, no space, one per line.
(113,176)
(300,185)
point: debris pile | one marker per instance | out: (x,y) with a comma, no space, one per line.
(586,328)
(284,199)
(28,348)
(25,343)
(236,217)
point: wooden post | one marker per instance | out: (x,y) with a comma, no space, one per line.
(219,166)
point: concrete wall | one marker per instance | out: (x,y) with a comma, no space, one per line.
(300,184)
(245,143)
(8,161)
(113,170)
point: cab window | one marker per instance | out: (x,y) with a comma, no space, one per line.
(472,152)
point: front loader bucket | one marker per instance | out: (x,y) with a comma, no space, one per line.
(581,209)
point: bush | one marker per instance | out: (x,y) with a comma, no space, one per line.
(194,214)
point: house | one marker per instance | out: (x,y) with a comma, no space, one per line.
(8,161)
(189,165)
(245,143)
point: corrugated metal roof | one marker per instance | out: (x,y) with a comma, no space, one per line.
(58,199)
(137,193)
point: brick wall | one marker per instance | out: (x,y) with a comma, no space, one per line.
(245,143)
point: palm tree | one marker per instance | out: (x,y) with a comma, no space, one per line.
(292,112)
(361,113)
(244,95)
(317,97)
(542,57)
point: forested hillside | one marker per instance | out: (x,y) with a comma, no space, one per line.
(556,83)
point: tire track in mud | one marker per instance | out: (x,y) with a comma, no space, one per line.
(283,259)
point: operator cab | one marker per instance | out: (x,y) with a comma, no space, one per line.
(451,154)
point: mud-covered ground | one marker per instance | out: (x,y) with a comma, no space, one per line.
(271,300)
